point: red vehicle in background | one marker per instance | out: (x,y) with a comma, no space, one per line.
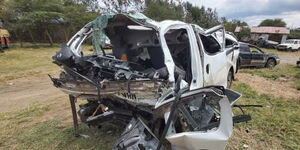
(4,37)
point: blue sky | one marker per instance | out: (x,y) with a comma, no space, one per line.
(254,11)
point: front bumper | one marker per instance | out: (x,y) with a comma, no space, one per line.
(281,48)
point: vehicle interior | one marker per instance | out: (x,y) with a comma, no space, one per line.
(140,45)
(210,44)
(179,46)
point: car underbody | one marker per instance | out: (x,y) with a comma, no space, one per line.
(152,88)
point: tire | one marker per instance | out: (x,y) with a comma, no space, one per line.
(289,49)
(270,63)
(238,65)
(229,78)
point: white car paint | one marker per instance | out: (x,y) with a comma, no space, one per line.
(212,140)
(292,44)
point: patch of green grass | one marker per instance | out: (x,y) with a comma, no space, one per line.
(51,135)
(10,123)
(283,70)
(22,130)
(20,62)
(17,62)
(278,119)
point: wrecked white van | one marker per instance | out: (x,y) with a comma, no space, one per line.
(168,81)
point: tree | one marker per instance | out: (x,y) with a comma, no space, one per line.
(161,10)
(295,34)
(244,33)
(116,6)
(231,25)
(203,17)
(41,20)
(273,22)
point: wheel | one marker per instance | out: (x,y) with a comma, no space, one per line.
(229,78)
(289,49)
(270,63)
(238,66)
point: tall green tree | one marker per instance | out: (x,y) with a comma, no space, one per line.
(244,33)
(204,17)
(231,25)
(295,34)
(44,19)
(273,22)
(162,9)
(122,5)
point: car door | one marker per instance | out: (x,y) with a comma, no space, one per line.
(232,50)
(245,55)
(257,56)
(295,45)
(215,64)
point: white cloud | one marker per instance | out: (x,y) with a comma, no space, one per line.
(291,18)
(254,11)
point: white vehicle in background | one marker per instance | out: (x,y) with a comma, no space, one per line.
(290,45)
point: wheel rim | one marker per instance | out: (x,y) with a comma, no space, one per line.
(271,63)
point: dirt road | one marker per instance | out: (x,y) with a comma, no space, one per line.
(22,92)
(269,86)
(288,59)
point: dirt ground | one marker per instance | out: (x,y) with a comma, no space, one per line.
(20,93)
(288,59)
(269,86)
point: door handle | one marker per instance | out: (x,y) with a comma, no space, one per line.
(207,68)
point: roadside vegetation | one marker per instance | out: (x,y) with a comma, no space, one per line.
(16,62)
(274,126)
(286,72)
(274,51)
(25,129)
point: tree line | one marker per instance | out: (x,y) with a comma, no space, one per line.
(55,21)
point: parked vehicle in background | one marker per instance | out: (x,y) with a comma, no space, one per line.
(263,43)
(252,56)
(290,45)
(4,39)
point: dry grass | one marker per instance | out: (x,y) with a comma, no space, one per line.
(274,51)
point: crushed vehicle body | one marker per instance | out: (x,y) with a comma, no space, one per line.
(168,81)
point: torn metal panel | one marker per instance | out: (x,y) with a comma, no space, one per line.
(137,136)
(142,92)
(213,140)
